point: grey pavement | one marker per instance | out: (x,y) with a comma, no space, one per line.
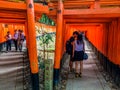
(91,78)
(11,69)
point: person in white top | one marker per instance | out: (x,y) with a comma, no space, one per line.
(15,39)
(8,41)
(21,38)
(78,54)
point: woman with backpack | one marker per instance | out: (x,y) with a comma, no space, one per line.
(69,48)
(78,54)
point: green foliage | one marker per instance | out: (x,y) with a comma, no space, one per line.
(46,38)
(46,20)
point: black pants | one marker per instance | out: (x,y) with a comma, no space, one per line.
(16,44)
(8,45)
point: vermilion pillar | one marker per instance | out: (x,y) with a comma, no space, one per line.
(64,34)
(58,47)
(26,34)
(1,36)
(32,49)
(96,5)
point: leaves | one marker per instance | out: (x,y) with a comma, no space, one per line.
(46,38)
(46,20)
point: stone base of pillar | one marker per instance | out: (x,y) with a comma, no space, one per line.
(35,81)
(56,77)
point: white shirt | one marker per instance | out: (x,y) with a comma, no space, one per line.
(16,36)
(9,37)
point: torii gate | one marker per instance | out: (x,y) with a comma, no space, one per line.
(24,13)
(94,14)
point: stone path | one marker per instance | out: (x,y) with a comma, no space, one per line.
(11,69)
(91,78)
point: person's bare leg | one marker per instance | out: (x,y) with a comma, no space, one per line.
(71,65)
(76,69)
(81,66)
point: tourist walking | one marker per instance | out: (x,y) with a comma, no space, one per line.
(69,51)
(15,39)
(78,54)
(8,41)
(21,38)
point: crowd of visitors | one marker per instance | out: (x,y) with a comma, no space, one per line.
(17,38)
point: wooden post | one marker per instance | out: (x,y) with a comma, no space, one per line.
(64,30)
(32,49)
(58,47)
(26,34)
(118,50)
(96,5)
(92,6)
(1,36)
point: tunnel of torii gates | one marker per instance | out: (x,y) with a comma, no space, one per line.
(101,27)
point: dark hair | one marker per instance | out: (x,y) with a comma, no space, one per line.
(8,31)
(15,30)
(19,30)
(79,39)
(71,39)
(75,32)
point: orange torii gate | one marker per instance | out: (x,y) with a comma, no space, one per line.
(58,47)
(32,44)
(95,14)
(65,17)
(24,13)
